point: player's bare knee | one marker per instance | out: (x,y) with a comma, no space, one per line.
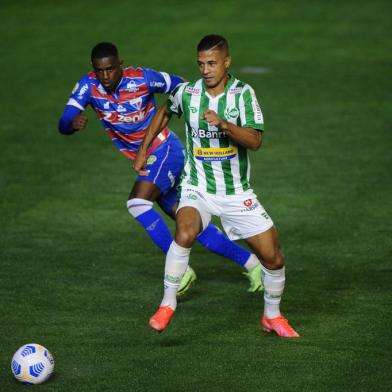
(274,261)
(185,236)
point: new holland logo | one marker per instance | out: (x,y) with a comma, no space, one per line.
(232,113)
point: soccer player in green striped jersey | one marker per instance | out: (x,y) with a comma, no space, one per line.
(223,120)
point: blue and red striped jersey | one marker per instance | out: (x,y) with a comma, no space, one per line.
(126,113)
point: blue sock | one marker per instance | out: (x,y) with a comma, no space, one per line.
(156,228)
(215,241)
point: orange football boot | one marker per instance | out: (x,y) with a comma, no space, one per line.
(280,325)
(161,319)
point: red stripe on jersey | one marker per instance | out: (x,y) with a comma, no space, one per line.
(132,137)
(133,72)
(125,95)
(97,94)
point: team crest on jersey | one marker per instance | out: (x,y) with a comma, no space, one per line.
(106,105)
(232,113)
(137,103)
(192,90)
(75,88)
(151,159)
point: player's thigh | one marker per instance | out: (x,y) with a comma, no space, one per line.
(146,190)
(266,246)
(169,202)
(192,197)
(188,226)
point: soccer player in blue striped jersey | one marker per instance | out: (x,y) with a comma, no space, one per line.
(223,120)
(123,99)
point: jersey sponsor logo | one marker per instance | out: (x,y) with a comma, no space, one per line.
(114,117)
(235,90)
(82,91)
(202,133)
(132,86)
(232,113)
(75,88)
(192,196)
(215,153)
(257,110)
(156,84)
(192,109)
(250,205)
(151,159)
(192,90)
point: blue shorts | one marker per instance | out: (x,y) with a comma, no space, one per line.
(165,166)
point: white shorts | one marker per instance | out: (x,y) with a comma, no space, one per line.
(242,216)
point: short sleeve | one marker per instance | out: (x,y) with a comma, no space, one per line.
(161,82)
(250,111)
(81,93)
(174,102)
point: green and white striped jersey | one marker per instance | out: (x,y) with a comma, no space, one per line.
(213,162)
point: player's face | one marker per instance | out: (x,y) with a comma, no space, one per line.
(213,67)
(108,71)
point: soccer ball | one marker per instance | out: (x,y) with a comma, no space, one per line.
(32,364)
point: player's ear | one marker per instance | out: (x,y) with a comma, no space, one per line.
(121,63)
(227,61)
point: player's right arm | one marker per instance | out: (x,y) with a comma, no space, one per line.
(73,119)
(158,123)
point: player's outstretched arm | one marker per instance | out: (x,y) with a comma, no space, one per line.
(72,120)
(247,137)
(159,121)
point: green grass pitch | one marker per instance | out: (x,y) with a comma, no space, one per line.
(80,277)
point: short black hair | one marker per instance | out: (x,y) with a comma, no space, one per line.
(213,41)
(104,49)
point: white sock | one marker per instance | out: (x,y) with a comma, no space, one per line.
(273,288)
(251,262)
(177,259)
(138,207)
